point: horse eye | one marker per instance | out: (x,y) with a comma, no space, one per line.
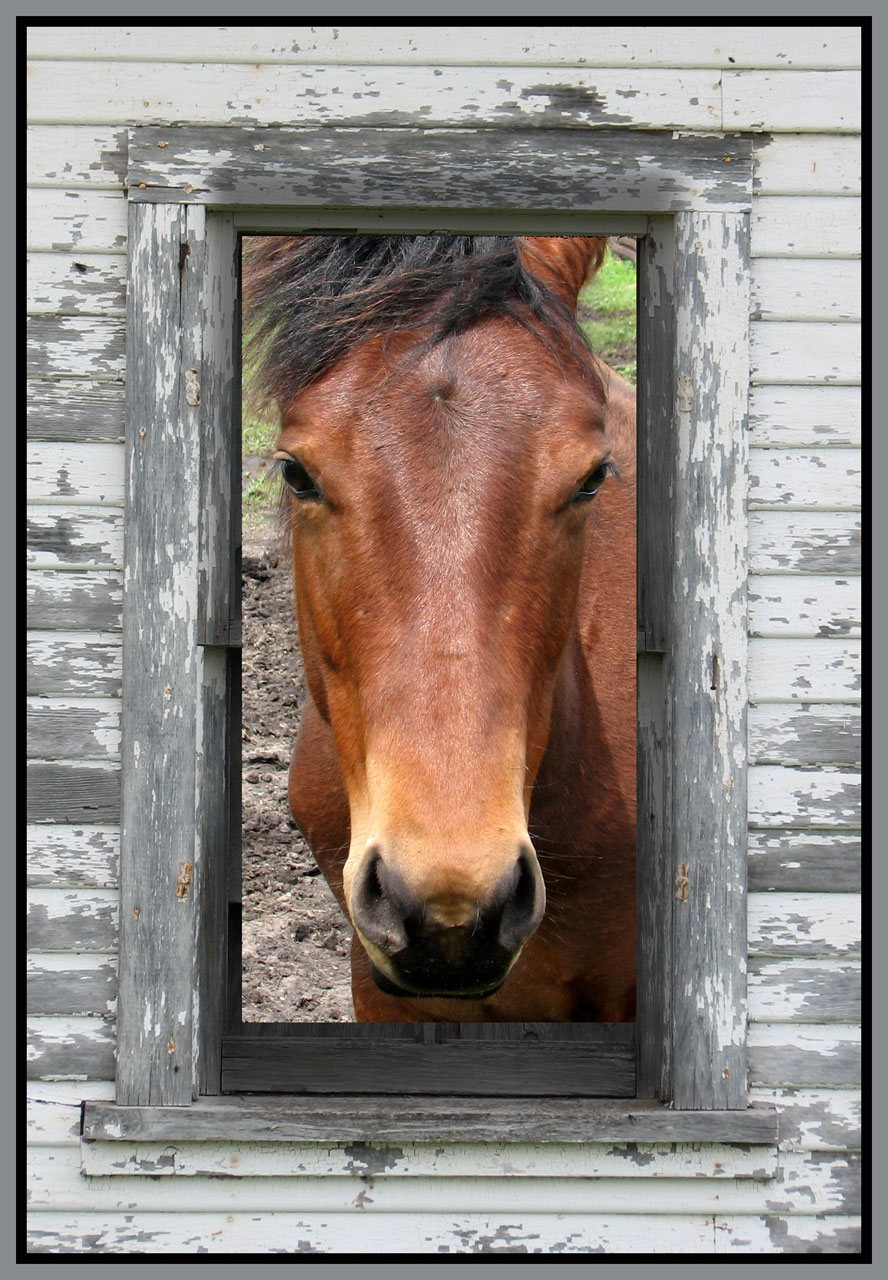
(592,483)
(298,480)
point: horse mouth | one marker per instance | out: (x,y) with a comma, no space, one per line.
(392,989)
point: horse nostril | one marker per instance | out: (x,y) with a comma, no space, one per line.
(525,904)
(373,912)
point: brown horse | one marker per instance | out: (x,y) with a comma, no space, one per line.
(460,478)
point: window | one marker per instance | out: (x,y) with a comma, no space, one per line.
(181,582)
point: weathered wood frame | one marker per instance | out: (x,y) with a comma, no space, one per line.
(689,198)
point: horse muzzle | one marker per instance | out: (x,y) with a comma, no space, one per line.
(455,945)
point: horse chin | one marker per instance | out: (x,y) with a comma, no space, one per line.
(392,989)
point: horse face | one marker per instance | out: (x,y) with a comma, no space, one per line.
(441,501)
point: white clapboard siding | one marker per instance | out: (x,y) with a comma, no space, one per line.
(53,1110)
(60,856)
(72,156)
(804,542)
(814,1119)
(65,284)
(72,919)
(799,352)
(786,796)
(75,474)
(70,1048)
(793,417)
(92,599)
(810,1182)
(75,346)
(73,729)
(440,1233)
(805,227)
(204,93)
(808,165)
(793,101)
(809,990)
(802,478)
(75,409)
(804,924)
(806,289)
(79,664)
(813,605)
(807,734)
(69,537)
(731,46)
(76,221)
(821,670)
(804,860)
(804,1054)
(72,985)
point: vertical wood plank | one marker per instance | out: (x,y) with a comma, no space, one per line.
(656,400)
(708,661)
(162,664)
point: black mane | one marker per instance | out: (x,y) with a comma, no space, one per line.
(309,299)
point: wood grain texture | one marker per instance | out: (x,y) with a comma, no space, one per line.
(445,169)
(504,97)
(628,46)
(804,924)
(708,663)
(64,346)
(75,473)
(62,601)
(77,221)
(72,985)
(814,1119)
(68,284)
(62,856)
(70,537)
(804,542)
(75,664)
(75,410)
(85,791)
(70,1048)
(784,796)
(804,1055)
(72,919)
(804,990)
(160,875)
(803,861)
(805,735)
(68,729)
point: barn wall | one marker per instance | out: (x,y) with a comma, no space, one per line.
(800,89)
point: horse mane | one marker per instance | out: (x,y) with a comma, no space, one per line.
(308,300)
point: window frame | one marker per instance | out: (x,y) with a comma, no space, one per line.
(691,208)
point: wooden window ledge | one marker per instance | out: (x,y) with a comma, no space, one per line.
(378,1119)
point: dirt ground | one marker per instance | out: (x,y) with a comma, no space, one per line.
(295,938)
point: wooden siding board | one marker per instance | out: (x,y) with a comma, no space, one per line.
(806,227)
(72,919)
(67,856)
(71,985)
(804,352)
(81,665)
(626,46)
(68,537)
(160,864)
(797,925)
(70,1048)
(64,729)
(820,670)
(793,101)
(807,164)
(804,542)
(504,97)
(815,1119)
(85,791)
(75,410)
(804,1055)
(78,222)
(803,861)
(449,169)
(813,605)
(804,990)
(805,735)
(53,1110)
(708,618)
(785,417)
(62,346)
(61,601)
(91,474)
(799,289)
(71,156)
(785,796)
(65,284)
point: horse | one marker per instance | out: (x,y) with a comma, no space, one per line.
(459,480)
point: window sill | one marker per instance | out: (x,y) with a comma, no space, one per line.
(416,1119)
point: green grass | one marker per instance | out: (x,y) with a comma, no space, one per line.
(611,330)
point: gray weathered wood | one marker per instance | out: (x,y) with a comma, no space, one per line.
(804,861)
(75,410)
(160,871)
(86,474)
(784,796)
(804,1056)
(66,346)
(814,1119)
(804,735)
(78,222)
(783,990)
(804,924)
(64,856)
(71,730)
(74,538)
(804,542)
(63,601)
(84,989)
(415,1118)
(322,1066)
(84,665)
(68,284)
(70,1049)
(534,169)
(87,792)
(707,647)
(74,919)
